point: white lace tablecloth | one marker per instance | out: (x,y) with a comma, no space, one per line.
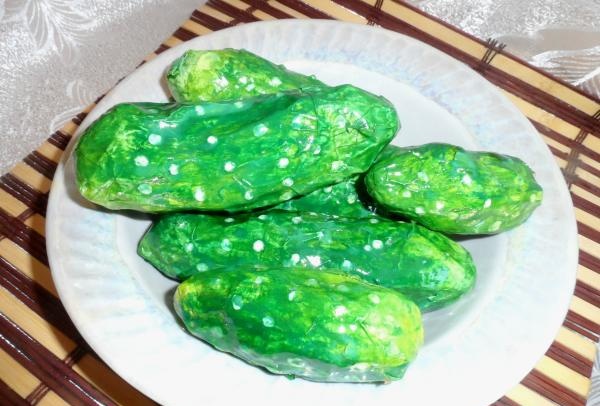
(57,56)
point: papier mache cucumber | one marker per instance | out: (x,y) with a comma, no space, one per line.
(428,267)
(231,156)
(313,324)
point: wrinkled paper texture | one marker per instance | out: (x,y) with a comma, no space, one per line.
(57,56)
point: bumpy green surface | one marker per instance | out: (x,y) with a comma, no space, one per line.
(348,198)
(455,191)
(229,74)
(231,156)
(341,199)
(317,325)
(428,267)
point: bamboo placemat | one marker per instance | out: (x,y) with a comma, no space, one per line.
(44,360)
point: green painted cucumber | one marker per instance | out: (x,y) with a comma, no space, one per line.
(428,267)
(342,199)
(316,325)
(348,198)
(455,191)
(229,74)
(231,156)
(214,75)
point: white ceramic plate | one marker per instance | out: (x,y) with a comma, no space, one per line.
(475,351)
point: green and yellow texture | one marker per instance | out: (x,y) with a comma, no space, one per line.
(348,198)
(317,325)
(426,266)
(455,191)
(231,156)
(342,199)
(229,74)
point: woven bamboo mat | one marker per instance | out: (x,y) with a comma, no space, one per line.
(44,360)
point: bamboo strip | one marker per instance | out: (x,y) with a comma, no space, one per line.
(196,28)
(50,151)
(585,309)
(172,41)
(52,399)
(584,194)
(589,277)
(564,376)
(591,247)
(31,177)
(11,205)
(217,14)
(16,376)
(27,264)
(37,327)
(587,218)
(527,397)
(577,343)
(287,10)
(336,11)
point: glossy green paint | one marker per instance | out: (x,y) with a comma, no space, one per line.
(455,191)
(316,325)
(214,75)
(428,267)
(229,74)
(341,199)
(231,156)
(348,198)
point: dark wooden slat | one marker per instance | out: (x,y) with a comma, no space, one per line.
(585,205)
(37,394)
(25,215)
(305,9)
(576,164)
(587,293)
(162,48)
(583,322)
(580,330)
(589,261)
(41,164)
(31,197)
(236,13)
(208,21)
(37,299)
(552,390)
(9,397)
(79,118)
(570,359)
(24,236)
(584,184)
(59,139)
(183,34)
(557,153)
(47,367)
(504,401)
(588,231)
(264,6)
(588,168)
(42,389)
